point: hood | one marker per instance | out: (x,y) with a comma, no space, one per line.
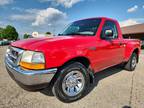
(43,43)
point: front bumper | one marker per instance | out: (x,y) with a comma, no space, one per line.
(30,79)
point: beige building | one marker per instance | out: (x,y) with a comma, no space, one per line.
(134,32)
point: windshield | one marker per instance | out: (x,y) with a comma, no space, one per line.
(86,27)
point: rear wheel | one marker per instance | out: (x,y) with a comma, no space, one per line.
(131,64)
(72,82)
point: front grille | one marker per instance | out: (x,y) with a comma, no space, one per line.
(14,55)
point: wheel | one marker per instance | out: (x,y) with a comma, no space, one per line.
(72,83)
(131,64)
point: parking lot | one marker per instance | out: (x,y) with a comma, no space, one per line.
(113,88)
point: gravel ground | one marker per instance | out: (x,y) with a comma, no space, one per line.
(113,88)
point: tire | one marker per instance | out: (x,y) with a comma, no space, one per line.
(131,64)
(67,82)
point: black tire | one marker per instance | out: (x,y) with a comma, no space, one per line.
(129,65)
(57,88)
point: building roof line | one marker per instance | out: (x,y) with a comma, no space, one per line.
(134,29)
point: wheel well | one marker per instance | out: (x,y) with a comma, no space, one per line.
(137,53)
(85,61)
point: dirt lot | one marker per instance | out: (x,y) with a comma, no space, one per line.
(113,88)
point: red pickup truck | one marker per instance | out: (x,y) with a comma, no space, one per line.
(69,61)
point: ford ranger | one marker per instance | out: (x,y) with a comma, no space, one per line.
(69,61)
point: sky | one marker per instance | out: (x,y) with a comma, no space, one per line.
(28,16)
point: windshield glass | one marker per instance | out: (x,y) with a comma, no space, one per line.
(86,27)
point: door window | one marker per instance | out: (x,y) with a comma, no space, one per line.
(110,25)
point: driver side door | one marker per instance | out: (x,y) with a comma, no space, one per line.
(110,51)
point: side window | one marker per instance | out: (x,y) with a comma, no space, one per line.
(111,25)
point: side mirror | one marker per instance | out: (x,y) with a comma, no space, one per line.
(108,34)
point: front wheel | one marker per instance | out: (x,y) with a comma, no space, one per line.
(131,64)
(72,82)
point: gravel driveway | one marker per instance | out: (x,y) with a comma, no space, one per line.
(113,88)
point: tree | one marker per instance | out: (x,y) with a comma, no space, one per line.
(9,33)
(48,33)
(26,36)
(1,29)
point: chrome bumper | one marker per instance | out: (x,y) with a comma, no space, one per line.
(30,77)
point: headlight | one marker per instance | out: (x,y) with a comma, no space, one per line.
(32,60)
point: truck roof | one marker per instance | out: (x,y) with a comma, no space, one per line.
(103,18)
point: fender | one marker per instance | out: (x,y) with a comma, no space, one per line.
(65,55)
(130,48)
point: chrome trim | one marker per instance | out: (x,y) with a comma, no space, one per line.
(73,83)
(12,56)
(30,77)
(17,58)
(17,49)
(134,62)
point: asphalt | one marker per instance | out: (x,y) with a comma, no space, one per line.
(112,88)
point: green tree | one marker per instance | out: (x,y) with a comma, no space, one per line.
(26,36)
(1,29)
(9,33)
(48,33)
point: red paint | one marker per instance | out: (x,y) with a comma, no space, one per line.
(59,50)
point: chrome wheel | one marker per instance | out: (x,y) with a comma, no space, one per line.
(134,62)
(73,83)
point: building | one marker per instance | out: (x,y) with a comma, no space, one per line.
(134,32)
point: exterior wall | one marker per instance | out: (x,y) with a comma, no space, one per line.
(134,36)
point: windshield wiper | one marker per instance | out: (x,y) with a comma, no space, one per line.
(60,34)
(74,34)
(70,34)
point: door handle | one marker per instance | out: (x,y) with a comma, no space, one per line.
(120,43)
